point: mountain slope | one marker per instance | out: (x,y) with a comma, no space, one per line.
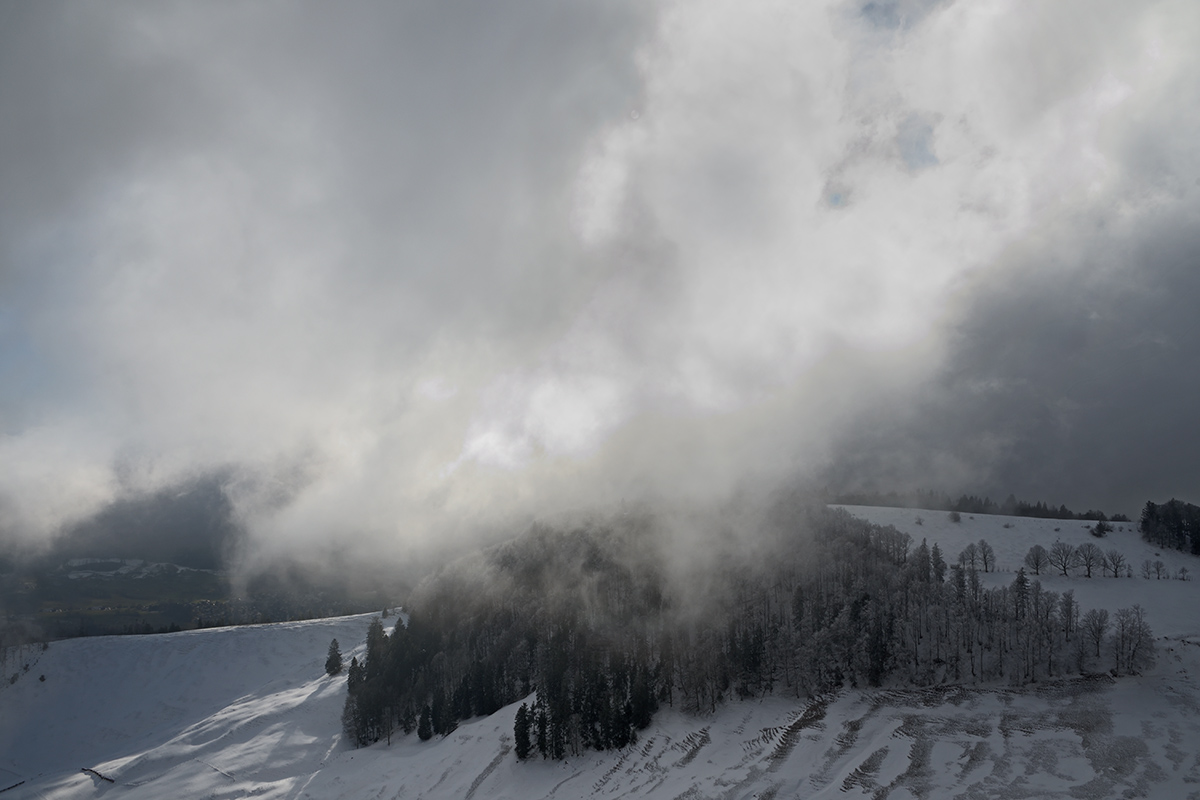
(239,712)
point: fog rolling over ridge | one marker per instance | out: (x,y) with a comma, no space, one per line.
(399,276)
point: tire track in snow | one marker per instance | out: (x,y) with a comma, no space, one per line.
(505,749)
(809,718)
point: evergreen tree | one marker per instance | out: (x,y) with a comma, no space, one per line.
(425,726)
(521,733)
(376,645)
(1020,594)
(354,676)
(938,562)
(351,723)
(541,724)
(333,663)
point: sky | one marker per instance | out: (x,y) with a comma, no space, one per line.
(398,273)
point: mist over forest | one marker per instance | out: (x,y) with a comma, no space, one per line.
(295,284)
(597,366)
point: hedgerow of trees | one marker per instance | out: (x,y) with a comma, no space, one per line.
(595,629)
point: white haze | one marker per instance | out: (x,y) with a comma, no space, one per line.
(413,273)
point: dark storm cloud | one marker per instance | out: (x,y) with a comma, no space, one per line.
(1071,384)
(397,272)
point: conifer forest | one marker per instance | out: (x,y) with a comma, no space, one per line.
(599,626)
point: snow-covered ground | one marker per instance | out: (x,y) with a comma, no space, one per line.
(248,712)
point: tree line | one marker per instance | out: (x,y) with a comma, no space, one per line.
(971,504)
(602,627)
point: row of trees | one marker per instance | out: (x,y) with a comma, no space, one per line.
(1064,558)
(606,628)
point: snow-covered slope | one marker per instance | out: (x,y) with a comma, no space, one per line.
(1173,605)
(248,712)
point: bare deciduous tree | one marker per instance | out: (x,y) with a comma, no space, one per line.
(1037,559)
(987,555)
(1114,562)
(1063,557)
(1094,627)
(969,557)
(1089,556)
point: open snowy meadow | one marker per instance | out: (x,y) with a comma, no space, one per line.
(249,712)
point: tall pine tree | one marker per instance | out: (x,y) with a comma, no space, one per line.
(521,733)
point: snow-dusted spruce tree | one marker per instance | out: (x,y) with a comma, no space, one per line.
(333,662)
(521,742)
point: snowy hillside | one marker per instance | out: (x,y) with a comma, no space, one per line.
(240,712)
(1171,604)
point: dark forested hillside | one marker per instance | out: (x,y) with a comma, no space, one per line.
(1174,524)
(608,622)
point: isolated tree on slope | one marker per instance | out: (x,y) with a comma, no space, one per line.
(333,663)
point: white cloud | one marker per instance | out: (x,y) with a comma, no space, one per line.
(454,281)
